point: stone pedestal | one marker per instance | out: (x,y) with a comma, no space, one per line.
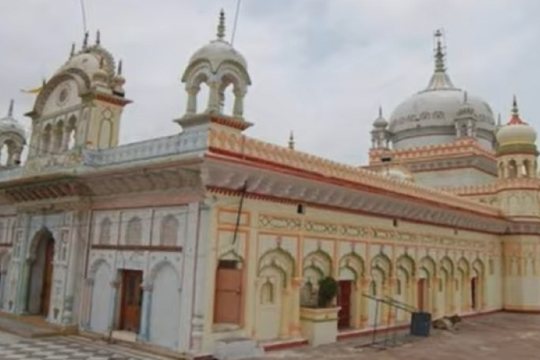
(319,325)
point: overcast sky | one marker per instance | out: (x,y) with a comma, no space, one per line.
(319,67)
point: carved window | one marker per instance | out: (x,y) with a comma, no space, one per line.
(169,231)
(134,231)
(105,232)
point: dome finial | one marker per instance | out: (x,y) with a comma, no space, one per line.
(10,110)
(72,52)
(85,41)
(221,25)
(380,111)
(291,140)
(98,37)
(439,53)
(515,110)
(119,71)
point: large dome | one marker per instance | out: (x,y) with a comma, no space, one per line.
(428,117)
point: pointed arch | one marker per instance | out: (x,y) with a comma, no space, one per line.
(382,263)
(134,230)
(318,262)
(428,264)
(353,263)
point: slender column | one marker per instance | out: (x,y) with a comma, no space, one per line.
(238,109)
(21,305)
(284,324)
(213,100)
(191,107)
(114,301)
(364,315)
(295,304)
(144,332)
(87,316)
(434,292)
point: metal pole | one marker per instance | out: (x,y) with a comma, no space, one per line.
(375,323)
(83,10)
(235,21)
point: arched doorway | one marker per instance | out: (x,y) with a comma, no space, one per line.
(41,274)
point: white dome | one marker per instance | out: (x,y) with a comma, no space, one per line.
(217,52)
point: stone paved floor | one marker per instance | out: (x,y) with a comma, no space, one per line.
(13,347)
(500,336)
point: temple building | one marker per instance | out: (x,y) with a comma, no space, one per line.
(185,241)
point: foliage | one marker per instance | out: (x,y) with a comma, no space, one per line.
(328,288)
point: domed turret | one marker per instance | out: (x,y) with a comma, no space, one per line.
(13,137)
(517,135)
(428,117)
(516,147)
(379,134)
(217,65)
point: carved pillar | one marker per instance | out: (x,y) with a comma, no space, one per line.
(191,107)
(238,109)
(213,99)
(357,303)
(144,331)
(295,304)
(284,323)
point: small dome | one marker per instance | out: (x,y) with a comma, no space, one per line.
(380,121)
(517,132)
(9,124)
(91,59)
(217,52)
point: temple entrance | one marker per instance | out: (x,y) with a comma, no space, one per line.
(40,284)
(228,295)
(344,302)
(131,300)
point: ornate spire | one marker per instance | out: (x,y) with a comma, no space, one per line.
(10,110)
(465,97)
(119,71)
(380,111)
(221,25)
(85,41)
(439,54)
(72,52)
(515,119)
(439,80)
(291,141)
(515,110)
(98,38)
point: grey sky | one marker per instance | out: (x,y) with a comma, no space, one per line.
(319,67)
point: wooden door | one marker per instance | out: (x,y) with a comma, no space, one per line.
(47,278)
(421,294)
(228,296)
(344,301)
(130,311)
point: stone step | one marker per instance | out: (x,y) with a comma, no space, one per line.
(237,348)
(30,329)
